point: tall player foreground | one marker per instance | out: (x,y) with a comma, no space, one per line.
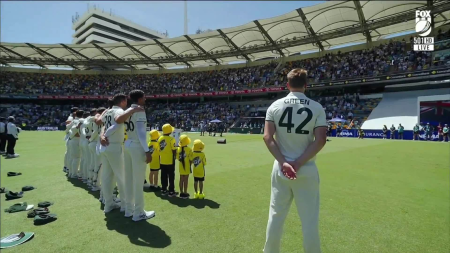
(137,156)
(299,126)
(112,159)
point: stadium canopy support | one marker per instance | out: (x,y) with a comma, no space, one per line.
(7,50)
(58,60)
(109,55)
(19,53)
(431,7)
(196,45)
(79,55)
(267,37)
(167,50)
(141,55)
(309,29)
(362,21)
(231,44)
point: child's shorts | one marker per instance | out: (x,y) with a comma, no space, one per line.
(199,179)
(154,169)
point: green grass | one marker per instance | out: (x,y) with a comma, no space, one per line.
(376,196)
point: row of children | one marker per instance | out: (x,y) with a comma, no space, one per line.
(164,152)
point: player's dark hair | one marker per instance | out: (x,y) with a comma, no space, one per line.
(135,95)
(86,114)
(297,78)
(110,103)
(93,111)
(119,98)
(101,110)
(73,109)
(10,119)
(79,113)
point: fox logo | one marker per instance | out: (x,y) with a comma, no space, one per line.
(151,149)
(196,161)
(162,145)
(182,156)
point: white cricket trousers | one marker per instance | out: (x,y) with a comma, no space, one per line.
(74,151)
(112,167)
(305,192)
(66,155)
(135,166)
(94,166)
(84,159)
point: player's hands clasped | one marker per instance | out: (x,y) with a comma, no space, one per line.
(104,141)
(289,171)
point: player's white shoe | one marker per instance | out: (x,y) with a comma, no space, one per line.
(146,185)
(12,156)
(144,216)
(112,207)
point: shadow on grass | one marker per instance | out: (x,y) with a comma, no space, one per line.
(197,203)
(140,233)
(78,183)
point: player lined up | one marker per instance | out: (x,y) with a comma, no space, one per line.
(106,147)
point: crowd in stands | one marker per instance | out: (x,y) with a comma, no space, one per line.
(190,115)
(181,115)
(37,115)
(393,56)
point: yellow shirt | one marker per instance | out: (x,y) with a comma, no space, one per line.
(166,147)
(154,150)
(185,160)
(199,161)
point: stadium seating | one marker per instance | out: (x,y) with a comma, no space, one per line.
(394,56)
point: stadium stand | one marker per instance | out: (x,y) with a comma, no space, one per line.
(379,59)
(392,57)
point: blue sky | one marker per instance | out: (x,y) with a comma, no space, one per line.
(51,22)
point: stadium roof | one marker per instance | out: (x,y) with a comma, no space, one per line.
(316,27)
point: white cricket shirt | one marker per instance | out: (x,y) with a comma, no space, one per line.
(109,119)
(295,117)
(12,130)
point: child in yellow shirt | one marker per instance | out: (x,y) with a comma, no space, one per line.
(154,164)
(198,158)
(167,153)
(183,155)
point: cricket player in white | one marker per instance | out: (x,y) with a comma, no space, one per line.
(137,156)
(299,126)
(69,125)
(74,145)
(95,158)
(112,159)
(84,130)
(89,129)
